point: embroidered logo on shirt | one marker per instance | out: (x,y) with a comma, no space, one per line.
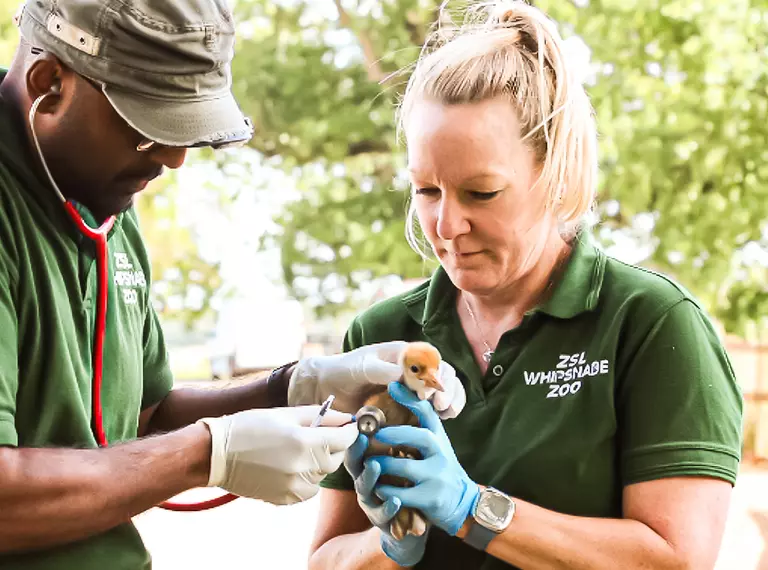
(566,378)
(127,279)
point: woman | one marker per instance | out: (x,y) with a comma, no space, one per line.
(601,406)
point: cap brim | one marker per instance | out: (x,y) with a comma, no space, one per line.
(182,123)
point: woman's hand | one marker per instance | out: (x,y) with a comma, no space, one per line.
(405,552)
(442,490)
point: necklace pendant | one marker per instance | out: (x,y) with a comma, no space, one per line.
(487,355)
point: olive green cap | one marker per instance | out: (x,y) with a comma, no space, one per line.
(165,66)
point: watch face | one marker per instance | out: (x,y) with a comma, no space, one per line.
(495,510)
(498,506)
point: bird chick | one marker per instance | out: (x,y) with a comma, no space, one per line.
(420,362)
(421,368)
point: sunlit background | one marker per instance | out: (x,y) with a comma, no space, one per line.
(264,254)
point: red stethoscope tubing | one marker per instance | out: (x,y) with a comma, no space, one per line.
(99,237)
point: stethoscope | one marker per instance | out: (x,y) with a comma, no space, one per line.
(99,237)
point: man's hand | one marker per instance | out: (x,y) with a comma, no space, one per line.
(274,455)
(351,375)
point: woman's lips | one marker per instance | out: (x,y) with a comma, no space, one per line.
(462,255)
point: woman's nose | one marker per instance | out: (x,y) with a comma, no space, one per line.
(451,219)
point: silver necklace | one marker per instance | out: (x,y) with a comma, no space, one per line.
(488,354)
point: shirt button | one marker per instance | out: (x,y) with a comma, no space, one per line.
(498,370)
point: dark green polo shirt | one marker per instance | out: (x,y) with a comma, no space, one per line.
(48,293)
(618,378)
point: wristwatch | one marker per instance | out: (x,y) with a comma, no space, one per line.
(493,513)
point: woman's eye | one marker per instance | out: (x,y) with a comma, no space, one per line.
(427,191)
(483,195)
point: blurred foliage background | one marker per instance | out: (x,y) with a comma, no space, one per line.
(680,88)
(314,208)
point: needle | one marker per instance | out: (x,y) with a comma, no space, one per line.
(323,409)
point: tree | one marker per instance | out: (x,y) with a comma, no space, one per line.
(183,281)
(679,89)
(8,34)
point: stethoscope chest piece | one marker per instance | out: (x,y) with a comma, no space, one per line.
(370,420)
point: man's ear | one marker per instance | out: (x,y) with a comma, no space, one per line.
(45,77)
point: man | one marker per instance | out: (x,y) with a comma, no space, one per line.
(99,99)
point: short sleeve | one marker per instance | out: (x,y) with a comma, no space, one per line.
(158,379)
(341,479)
(679,405)
(9,363)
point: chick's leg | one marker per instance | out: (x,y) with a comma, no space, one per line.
(406,521)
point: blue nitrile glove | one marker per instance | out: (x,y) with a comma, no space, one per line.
(442,490)
(406,552)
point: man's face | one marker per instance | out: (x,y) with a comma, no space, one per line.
(92,152)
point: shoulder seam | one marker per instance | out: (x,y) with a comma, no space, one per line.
(671,305)
(677,286)
(654,323)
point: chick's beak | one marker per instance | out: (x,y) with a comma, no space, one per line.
(430,379)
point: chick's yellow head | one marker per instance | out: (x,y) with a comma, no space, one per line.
(421,363)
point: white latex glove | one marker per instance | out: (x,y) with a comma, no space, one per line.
(351,375)
(449,403)
(347,376)
(273,454)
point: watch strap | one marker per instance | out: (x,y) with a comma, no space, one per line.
(478,536)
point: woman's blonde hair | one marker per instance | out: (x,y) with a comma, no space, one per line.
(511,49)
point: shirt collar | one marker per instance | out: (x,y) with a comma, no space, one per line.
(576,292)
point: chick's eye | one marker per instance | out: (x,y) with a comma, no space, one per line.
(414,368)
